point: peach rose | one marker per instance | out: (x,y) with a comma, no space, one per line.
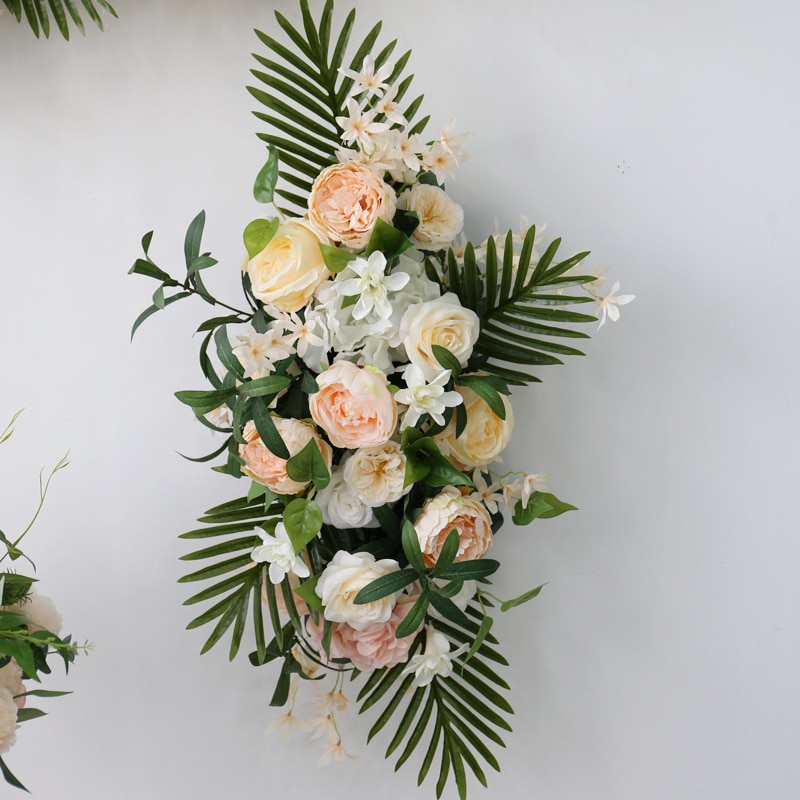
(345,202)
(354,406)
(288,270)
(485,435)
(444,322)
(447,511)
(263,466)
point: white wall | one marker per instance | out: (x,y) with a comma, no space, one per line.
(661,661)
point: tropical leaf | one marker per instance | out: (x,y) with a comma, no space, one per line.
(37,14)
(454,718)
(520,302)
(303,92)
(238,578)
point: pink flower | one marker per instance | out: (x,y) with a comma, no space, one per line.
(451,510)
(346,201)
(354,406)
(263,466)
(375,647)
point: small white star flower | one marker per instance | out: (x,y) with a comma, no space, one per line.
(425,398)
(258,352)
(489,495)
(360,126)
(390,109)
(608,304)
(437,660)
(532,483)
(368,80)
(278,551)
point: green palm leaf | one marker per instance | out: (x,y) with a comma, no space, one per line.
(455,717)
(37,14)
(240,580)
(520,305)
(303,92)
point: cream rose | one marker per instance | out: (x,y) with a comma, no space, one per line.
(341,508)
(263,466)
(345,202)
(485,435)
(440,219)
(451,510)
(375,475)
(354,406)
(343,578)
(8,720)
(444,322)
(288,270)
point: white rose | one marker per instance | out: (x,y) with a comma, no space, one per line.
(485,435)
(343,578)
(376,474)
(341,508)
(288,270)
(440,219)
(444,322)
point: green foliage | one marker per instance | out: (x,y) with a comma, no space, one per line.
(303,93)
(520,310)
(37,14)
(240,579)
(452,721)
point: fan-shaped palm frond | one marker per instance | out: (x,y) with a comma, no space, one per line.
(242,579)
(521,308)
(37,14)
(305,92)
(453,718)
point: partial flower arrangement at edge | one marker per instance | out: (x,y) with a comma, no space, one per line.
(30,632)
(36,14)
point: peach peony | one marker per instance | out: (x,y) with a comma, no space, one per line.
(263,466)
(11,679)
(288,270)
(447,511)
(8,720)
(440,219)
(375,475)
(345,202)
(354,406)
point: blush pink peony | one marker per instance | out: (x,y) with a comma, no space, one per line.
(346,201)
(263,466)
(448,511)
(354,406)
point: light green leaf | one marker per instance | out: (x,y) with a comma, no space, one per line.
(303,520)
(264,187)
(523,598)
(258,234)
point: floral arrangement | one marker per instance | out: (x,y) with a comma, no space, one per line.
(38,17)
(363,393)
(30,628)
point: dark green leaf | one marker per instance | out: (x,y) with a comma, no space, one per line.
(385,585)
(303,520)
(264,187)
(470,570)
(309,465)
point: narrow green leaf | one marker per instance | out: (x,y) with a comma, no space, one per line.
(261,387)
(470,570)
(486,392)
(446,359)
(385,585)
(447,554)
(523,598)
(416,616)
(267,431)
(411,547)
(194,235)
(486,626)
(205,401)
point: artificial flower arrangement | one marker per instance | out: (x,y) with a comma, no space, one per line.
(363,392)
(30,628)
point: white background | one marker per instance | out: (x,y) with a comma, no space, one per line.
(661,660)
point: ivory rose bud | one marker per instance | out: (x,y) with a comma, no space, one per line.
(354,406)
(288,270)
(448,511)
(343,578)
(444,322)
(376,475)
(485,435)
(263,466)
(341,508)
(347,200)
(440,218)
